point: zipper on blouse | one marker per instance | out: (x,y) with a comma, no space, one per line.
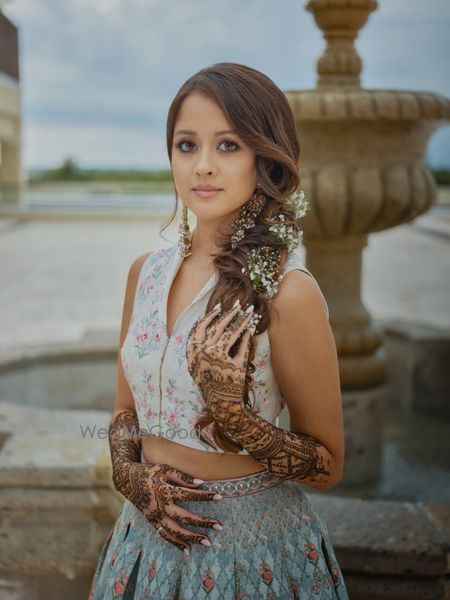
(196,299)
(160,379)
(169,337)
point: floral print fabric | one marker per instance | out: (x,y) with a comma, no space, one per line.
(273,546)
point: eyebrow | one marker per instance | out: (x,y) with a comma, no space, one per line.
(190,132)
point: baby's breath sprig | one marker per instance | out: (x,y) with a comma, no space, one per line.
(299,203)
(288,234)
(254,319)
(263,264)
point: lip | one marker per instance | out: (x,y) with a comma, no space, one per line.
(206,191)
(206,187)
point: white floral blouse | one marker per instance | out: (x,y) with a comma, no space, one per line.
(168,402)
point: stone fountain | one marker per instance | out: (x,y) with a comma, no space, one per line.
(362,171)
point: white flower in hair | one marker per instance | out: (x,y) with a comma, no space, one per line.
(299,203)
(290,235)
(263,263)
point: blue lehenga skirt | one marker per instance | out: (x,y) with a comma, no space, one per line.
(273,545)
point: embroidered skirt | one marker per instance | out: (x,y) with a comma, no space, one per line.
(273,545)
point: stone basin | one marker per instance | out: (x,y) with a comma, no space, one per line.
(391,539)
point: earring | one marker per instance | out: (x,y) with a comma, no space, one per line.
(185,235)
(247,215)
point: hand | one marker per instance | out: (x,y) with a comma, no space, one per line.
(219,376)
(151,487)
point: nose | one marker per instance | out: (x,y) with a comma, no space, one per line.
(205,164)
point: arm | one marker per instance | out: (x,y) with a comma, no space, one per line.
(124,441)
(288,455)
(124,397)
(305,364)
(153,489)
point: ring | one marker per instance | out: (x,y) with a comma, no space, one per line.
(160,527)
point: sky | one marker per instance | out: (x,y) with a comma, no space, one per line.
(97,78)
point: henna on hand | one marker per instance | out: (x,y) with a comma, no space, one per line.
(151,487)
(220,377)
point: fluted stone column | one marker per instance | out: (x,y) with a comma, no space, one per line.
(362,171)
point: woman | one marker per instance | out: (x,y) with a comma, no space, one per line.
(219,332)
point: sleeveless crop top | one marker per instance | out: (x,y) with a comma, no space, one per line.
(167,400)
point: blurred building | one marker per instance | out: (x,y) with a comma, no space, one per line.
(10,113)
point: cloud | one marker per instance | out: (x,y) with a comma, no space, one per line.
(116,64)
(92,146)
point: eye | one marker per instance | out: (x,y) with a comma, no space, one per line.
(180,144)
(230,142)
(225,141)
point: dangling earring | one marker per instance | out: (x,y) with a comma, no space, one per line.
(185,235)
(247,215)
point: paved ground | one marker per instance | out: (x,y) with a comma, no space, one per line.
(60,278)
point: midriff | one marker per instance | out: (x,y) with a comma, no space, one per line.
(198,463)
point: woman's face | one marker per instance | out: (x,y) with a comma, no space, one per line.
(203,154)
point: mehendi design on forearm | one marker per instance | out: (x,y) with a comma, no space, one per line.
(125,447)
(285,454)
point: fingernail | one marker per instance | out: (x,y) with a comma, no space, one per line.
(205,542)
(198,481)
(250,308)
(237,303)
(217,497)
(217,526)
(186,551)
(217,306)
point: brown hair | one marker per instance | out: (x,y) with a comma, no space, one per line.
(260,114)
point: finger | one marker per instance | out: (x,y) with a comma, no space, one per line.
(244,348)
(212,314)
(235,329)
(220,326)
(179,492)
(190,518)
(192,334)
(187,495)
(197,332)
(169,537)
(181,478)
(183,534)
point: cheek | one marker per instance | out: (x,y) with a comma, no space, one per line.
(180,170)
(247,172)
(240,171)
(245,177)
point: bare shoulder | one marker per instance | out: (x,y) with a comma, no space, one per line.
(298,294)
(130,292)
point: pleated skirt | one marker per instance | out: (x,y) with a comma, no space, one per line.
(273,545)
